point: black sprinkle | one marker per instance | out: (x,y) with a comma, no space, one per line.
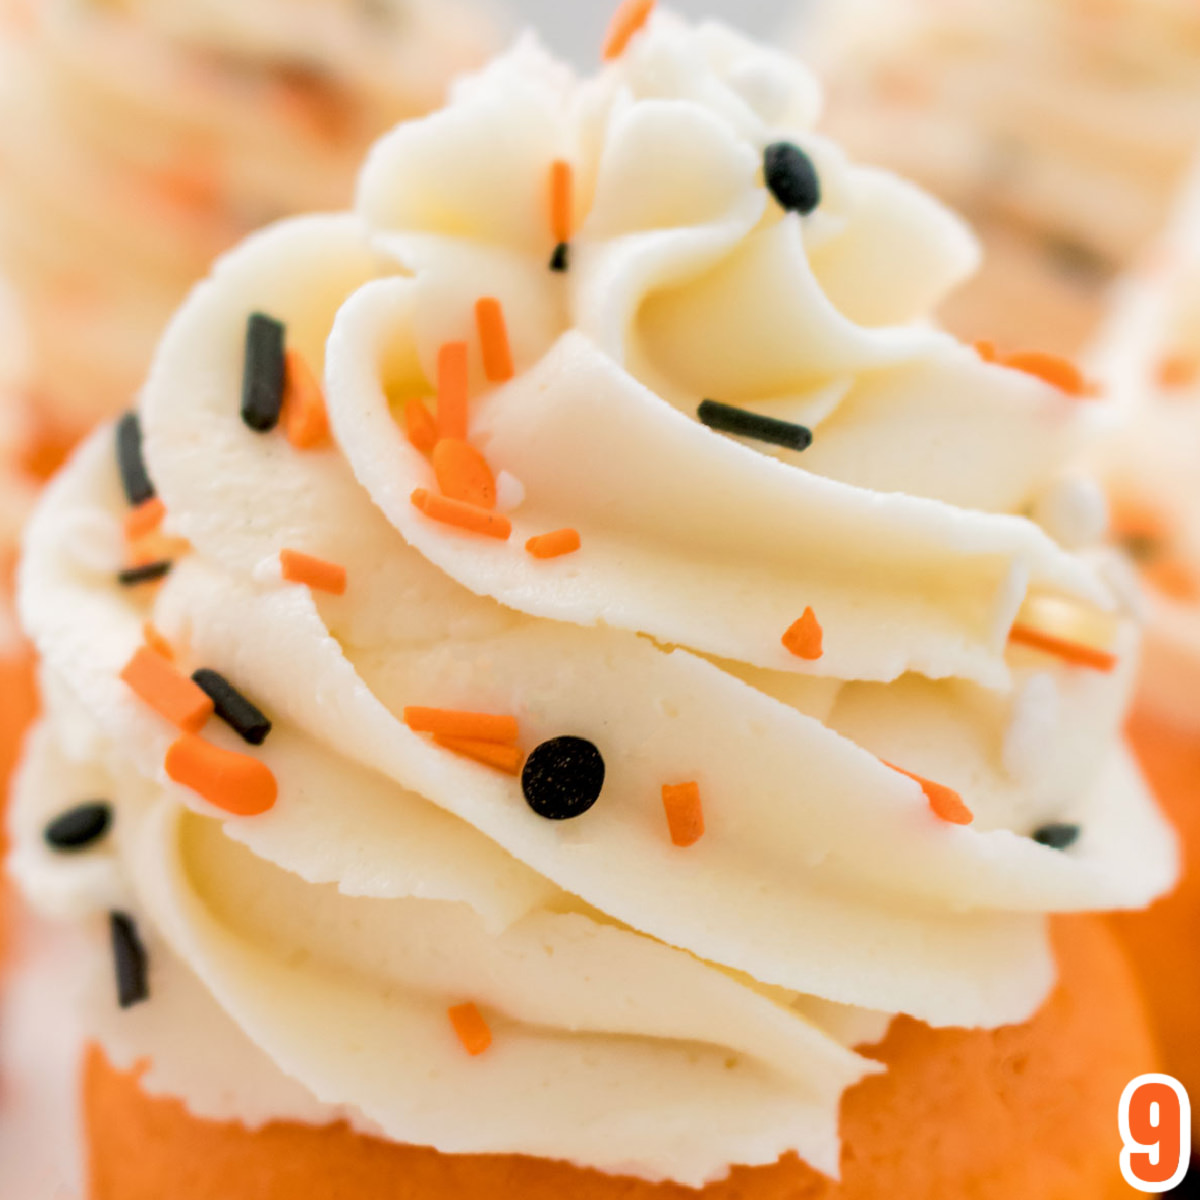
(232,707)
(561,259)
(727,419)
(129,960)
(563,778)
(1058,837)
(262,381)
(792,178)
(147,573)
(79,827)
(134,477)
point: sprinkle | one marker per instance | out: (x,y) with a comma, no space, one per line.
(1075,653)
(508,759)
(134,477)
(805,637)
(560,260)
(464,516)
(244,718)
(422,429)
(150,572)
(305,420)
(554,545)
(172,695)
(1057,837)
(156,642)
(627,21)
(562,202)
(792,178)
(1178,371)
(316,573)
(227,779)
(987,351)
(470,1027)
(463,473)
(727,419)
(563,778)
(1050,368)
(144,519)
(455,723)
(79,827)
(945,802)
(129,960)
(1174,578)
(493,338)
(685,814)
(262,375)
(452,370)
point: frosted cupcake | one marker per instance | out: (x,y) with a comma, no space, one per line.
(544,750)
(141,138)
(1062,128)
(1151,354)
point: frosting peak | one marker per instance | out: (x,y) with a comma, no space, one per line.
(400,874)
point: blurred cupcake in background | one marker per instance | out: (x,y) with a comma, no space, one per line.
(138,138)
(1150,359)
(1062,128)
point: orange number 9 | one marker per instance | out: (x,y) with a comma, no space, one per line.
(1155,1119)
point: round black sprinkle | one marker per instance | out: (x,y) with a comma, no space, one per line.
(1058,837)
(561,259)
(792,178)
(563,778)
(79,827)
(135,479)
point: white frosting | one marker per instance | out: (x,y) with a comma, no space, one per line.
(394,879)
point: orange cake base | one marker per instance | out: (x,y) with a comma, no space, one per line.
(1162,942)
(1027,1112)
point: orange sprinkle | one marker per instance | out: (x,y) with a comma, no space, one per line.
(227,779)
(471,1028)
(456,723)
(453,375)
(463,473)
(685,814)
(156,642)
(945,802)
(155,547)
(987,351)
(562,200)
(422,430)
(316,573)
(305,420)
(1178,371)
(509,759)
(493,338)
(1173,577)
(554,545)
(629,18)
(464,516)
(1133,518)
(144,519)
(171,694)
(1072,652)
(1050,368)
(805,637)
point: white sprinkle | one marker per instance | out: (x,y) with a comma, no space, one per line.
(1033,728)
(510,492)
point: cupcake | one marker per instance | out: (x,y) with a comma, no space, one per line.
(1151,355)
(1062,128)
(141,138)
(596,678)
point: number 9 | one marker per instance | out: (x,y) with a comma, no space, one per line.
(1155,1119)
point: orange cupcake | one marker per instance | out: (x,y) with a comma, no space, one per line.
(959,1113)
(1063,129)
(596,672)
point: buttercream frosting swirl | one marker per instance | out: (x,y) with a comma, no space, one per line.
(655,1010)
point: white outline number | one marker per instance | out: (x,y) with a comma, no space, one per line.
(1132,1146)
